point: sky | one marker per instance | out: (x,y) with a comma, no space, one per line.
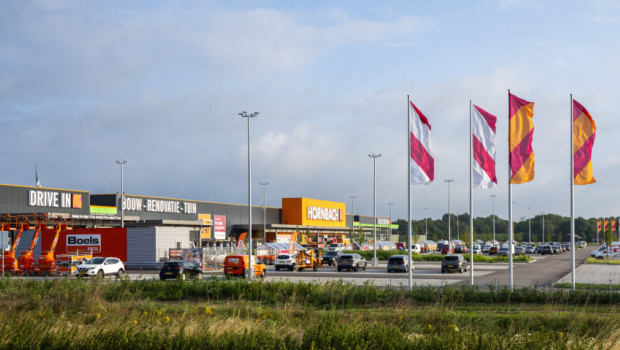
(161,85)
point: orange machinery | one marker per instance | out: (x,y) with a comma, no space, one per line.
(47,261)
(26,264)
(20,223)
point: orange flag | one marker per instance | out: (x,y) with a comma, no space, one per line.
(521,134)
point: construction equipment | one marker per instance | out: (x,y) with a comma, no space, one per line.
(47,261)
(309,259)
(26,264)
(19,224)
(66,264)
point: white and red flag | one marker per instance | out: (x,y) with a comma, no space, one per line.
(423,162)
(483,129)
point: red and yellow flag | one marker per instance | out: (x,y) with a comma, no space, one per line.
(606,224)
(613,225)
(598,225)
(521,134)
(584,132)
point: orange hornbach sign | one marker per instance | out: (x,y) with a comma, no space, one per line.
(313,212)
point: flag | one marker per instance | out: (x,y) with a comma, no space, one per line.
(613,225)
(36,176)
(483,143)
(521,134)
(598,225)
(584,132)
(606,224)
(423,162)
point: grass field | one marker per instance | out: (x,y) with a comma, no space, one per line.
(237,314)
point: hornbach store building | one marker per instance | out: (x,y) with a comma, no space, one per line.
(208,223)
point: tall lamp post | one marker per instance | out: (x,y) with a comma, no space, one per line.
(543,228)
(449,181)
(353,205)
(425,223)
(529,222)
(390,230)
(245,114)
(264,184)
(374,205)
(122,164)
(493,205)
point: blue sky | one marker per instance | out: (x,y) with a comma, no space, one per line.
(160,84)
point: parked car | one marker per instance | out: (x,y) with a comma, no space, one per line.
(330,257)
(461,248)
(485,248)
(100,267)
(351,262)
(399,263)
(493,250)
(477,249)
(600,248)
(519,251)
(286,261)
(455,262)
(539,249)
(530,249)
(547,249)
(556,248)
(180,269)
(336,246)
(599,254)
(566,247)
(447,248)
(503,251)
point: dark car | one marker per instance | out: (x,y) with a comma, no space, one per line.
(399,263)
(460,249)
(546,249)
(330,257)
(539,249)
(351,262)
(455,262)
(180,269)
(566,247)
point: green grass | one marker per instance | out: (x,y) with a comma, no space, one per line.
(602,261)
(240,314)
(587,286)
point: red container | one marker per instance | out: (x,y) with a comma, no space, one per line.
(105,242)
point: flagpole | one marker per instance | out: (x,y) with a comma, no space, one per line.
(510,233)
(409,192)
(471,199)
(572,198)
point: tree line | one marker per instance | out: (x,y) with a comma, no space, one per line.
(556,228)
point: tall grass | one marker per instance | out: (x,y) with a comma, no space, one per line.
(240,314)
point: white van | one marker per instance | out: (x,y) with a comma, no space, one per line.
(596,252)
(614,250)
(336,246)
(415,248)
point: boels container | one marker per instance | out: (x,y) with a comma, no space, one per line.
(238,265)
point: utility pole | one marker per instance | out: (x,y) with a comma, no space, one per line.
(493,204)
(448,181)
(529,222)
(264,209)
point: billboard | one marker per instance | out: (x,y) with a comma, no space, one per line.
(219,226)
(83,243)
(313,212)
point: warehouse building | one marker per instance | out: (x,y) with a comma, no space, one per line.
(153,225)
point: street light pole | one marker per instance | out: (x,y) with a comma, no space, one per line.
(122,164)
(448,181)
(353,206)
(390,230)
(244,114)
(374,205)
(529,222)
(543,228)
(493,204)
(425,223)
(264,209)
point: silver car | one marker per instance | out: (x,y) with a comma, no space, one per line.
(351,262)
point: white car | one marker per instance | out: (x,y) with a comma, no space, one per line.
(100,267)
(477,249)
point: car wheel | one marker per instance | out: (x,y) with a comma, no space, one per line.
(364,268)
(315,267)
(100,274)
(120,272)
(277,268)
(339,269)
(262,274)
(389,271)
(355,269)
(348,269)
(162,279)
(600,258)
(443,271)
(243,272)
(198,276)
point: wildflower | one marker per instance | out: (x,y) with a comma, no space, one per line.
(430,327)
(208,310)
(561,334)
(454,327)
(167,319)
(135,322)
(145,313)
(159,312)
(39,295)
(98,315)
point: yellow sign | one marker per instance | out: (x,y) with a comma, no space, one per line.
(313,212)
(206,231)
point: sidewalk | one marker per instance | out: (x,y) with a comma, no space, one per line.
(594,274)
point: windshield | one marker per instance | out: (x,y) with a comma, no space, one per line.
(345,257)
(451,258)
(331,253)
(172,264)
(96,261)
